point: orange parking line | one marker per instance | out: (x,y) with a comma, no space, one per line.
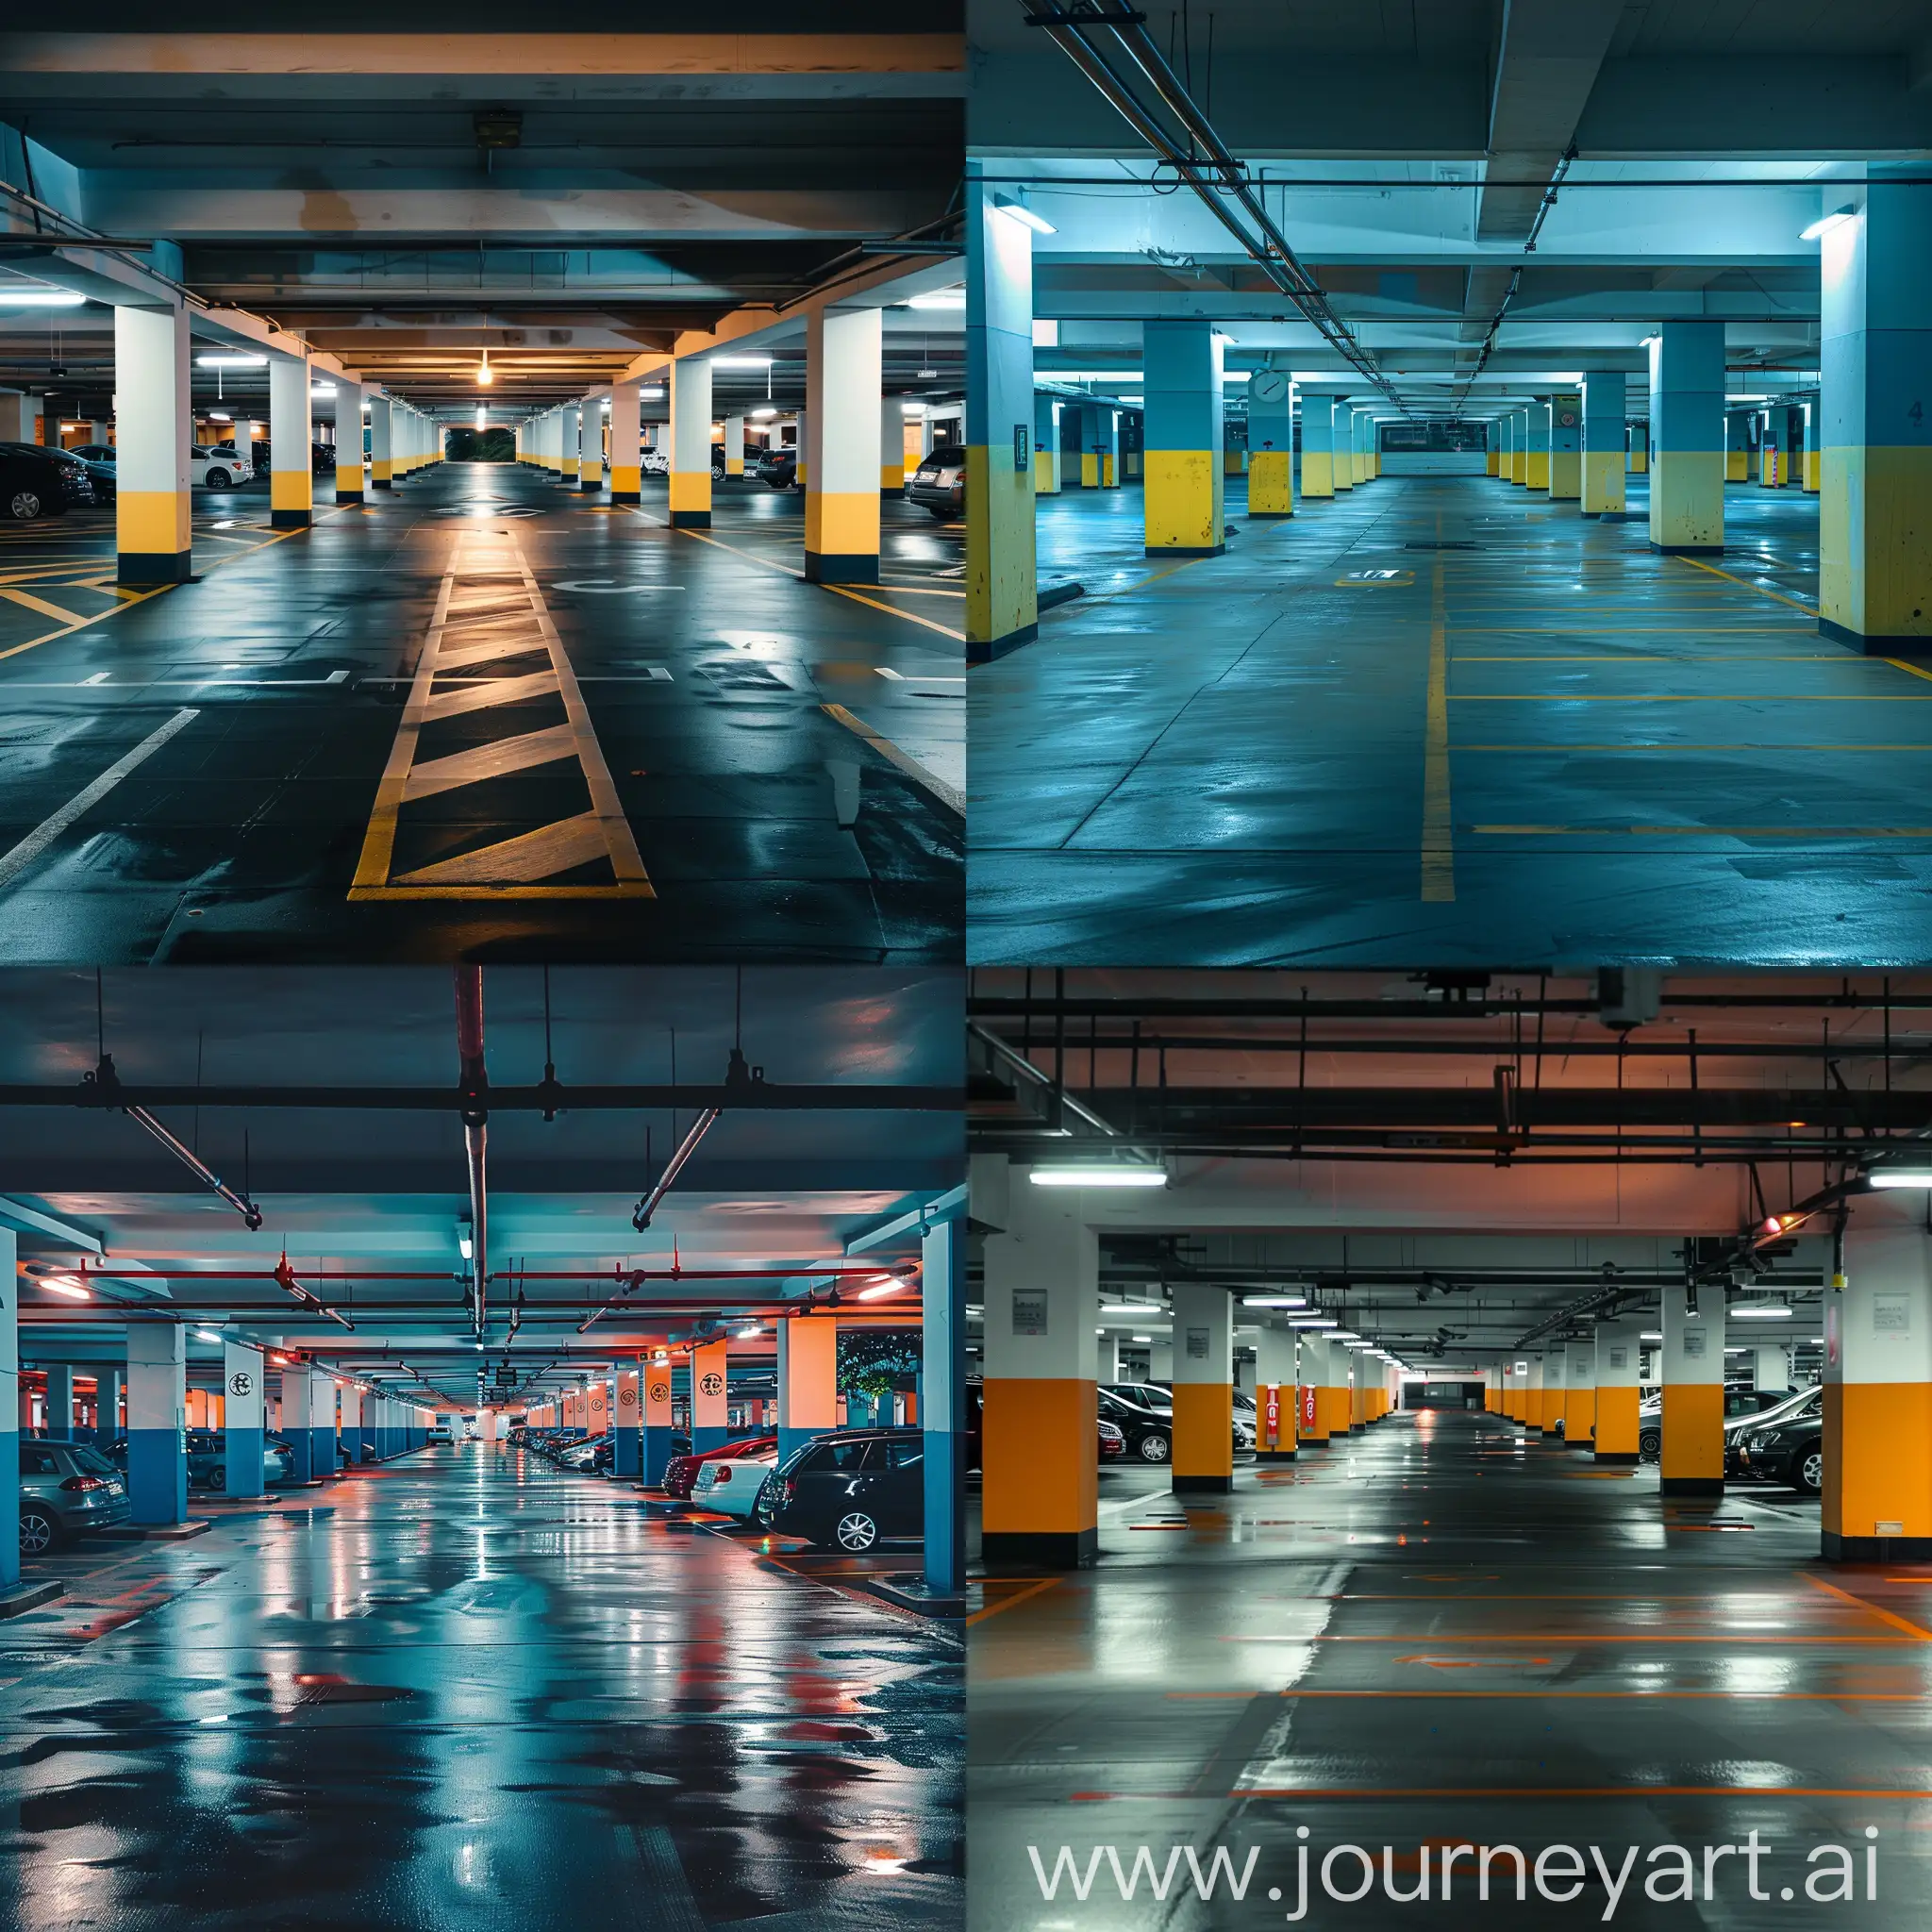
(1036,1586)
(1891,1617)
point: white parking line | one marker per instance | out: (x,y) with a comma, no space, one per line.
(16,861)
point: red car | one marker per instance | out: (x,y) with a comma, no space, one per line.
(681,1472)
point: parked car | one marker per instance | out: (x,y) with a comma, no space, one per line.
(216,468)
(1113,1441)
(778,467)
(322,458)
(730,1484)
(1804,1405)
(1740,1406)
(851,1490)
(66,1489)
(1790,1450)
(681,1472)
(717,462)
(938,484)
(655,462)
(36,482)
(1149,1432)
(440,1435)
(103,467)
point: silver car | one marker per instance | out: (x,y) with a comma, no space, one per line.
(66,1489)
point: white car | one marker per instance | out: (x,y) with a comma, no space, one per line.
(655,462)
(732,1488)
(438,1433)
(217,469)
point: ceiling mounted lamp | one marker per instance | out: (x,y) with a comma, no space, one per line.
(1899,1177)
(1099,1174)
(485,374)
(67,1285)
(1826,224)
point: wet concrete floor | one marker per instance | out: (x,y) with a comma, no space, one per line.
(1338,742)
(1441,1633)
(629,743)
(468,1691)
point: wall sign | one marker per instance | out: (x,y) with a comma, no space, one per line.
(1198,1345)
(1694,1341)
(1021,438)
(1029,1312)
(1892,1314)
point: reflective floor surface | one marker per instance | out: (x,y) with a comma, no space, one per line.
(1439,1633)
(468,1691)
(1546,743)
(482,714)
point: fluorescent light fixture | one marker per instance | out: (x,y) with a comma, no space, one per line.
(466,1247)
(322,389)
(231,361)
(1096,1173)
(40,298)
(1826,224)
(1140,1338)
(1899,1177)
(1313,1322)
(741,361)
(1651,1335)
(1130,1309)
(1046,333)
(761,415)
(872,1294)
(205,1335)
(1761,1311)
(1020,213)
(939,298)
(750,1330)
(219,416)
(912,408)
(1274,1301)
(65,1284)
(655,393)
(1344,1334)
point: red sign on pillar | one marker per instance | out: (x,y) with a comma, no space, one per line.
(1305,1399)
(1271,1416)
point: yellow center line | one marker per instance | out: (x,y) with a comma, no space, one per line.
(1438,827)
(948,795)
(1745,584)
(910,616)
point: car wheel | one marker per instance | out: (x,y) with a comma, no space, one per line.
(1809,1472)
(857,1531)
(1650,1446)
(218,1480)
(38,1532)
(24,505)
(1154,1447)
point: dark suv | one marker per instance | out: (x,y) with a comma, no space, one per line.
(938,484)
(849,1489)
(778,467)
(36,482)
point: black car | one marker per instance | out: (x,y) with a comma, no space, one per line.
(776,467)
(102,462)
(938,484)
(1149,1431)
(36,482)
(1791,1451)
(849,1489)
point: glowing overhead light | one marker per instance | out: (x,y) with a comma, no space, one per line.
(205,1335)
(1313,1322)
(741,361)
(1651,1335)
(67,1285)
(219,416)
(1140,1338)
(40,298)
(1020,213)
(1098,1174)
(1274,1301)
(655,393)
(912,408)
(1761,1311)
(760,414)
(1130,1309)
(939,298)
(1826,224)
(872,1294)
(750,1330)
(466,1247)
(1900,1177)
(231,361)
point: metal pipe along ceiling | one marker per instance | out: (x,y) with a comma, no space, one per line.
(475,1084)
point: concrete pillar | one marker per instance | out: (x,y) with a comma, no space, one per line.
(709,1427)
(349,1412)
(1107,432)
(1603,443)
(110,1383)
(942,1401)
(154,422)
(1686,402)
(1358,1365)
(1046,446)
(1502,442)
(10,1410)
(1579,1395)
(589,449)
(296,1405)
(291,442)
(1813,475)
(1184,488)
(892,447)
(597,1410)
(1338,1392)
(734,445)
(1692,1367)
(658,1417)
(1075,474)
(801,461)
(1311,1400)
(1344,439)
(1536,474)
(1877,1494)
(382,451)
(60,1426)
(1534,1395)
(1275,1393)
(690,444)
(1040,1482)
(1614,1365)
(1771,1367)
(843,359)
(1202,1389)
(350,475)
(1566,448)
(807,1380)
(626,445)
(157,1422)
(1318,449)
(1737,445)
(627,1446)
(1519,448)
(245,1417)
(1271,445)
(1364,447)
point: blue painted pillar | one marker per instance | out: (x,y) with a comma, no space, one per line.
(296,1421)
(1046,444)
(627,1445)
(1344,439)
(942,1402)
(157,1422)
(807,1380)
(657,1422)
(1002,584)
(1875,507)
(1075,474)
(1183,487)
(9,1409)
(1687,428)
(109,1384)
(1106,445)
(1536,474)
(60,1402)
(245,1417)
(709,1393)
(1318,447)
(1603,443)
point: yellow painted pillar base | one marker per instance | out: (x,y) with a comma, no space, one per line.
(1876,1503)
(1616,1424)
(1693,1440)
(1183,504)
(841,538)
(1270,483)
(1040,1476)
(1203,1438)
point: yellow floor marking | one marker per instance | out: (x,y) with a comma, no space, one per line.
(1891,1617)
(1439,826)
(132,597)
(1742,744)
(487,576)
(1035,1587)
(1691,697)
(1677,657)
(1899,664)
(910,616)
(1744,584)
(1711,832)
(40,604)
(947,794)
(717,543)
(917,590)
(496,760)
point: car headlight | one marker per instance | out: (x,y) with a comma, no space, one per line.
(1763,1441)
